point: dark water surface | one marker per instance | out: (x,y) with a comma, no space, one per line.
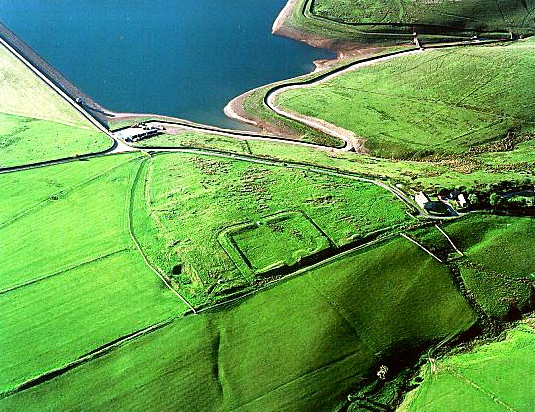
(184,58)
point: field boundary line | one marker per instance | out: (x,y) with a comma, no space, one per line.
(422,247)
(449,240)
(298,272)
(87,357)
(70,189)
(148,201)
(136,243)
(459,375)
(45,277)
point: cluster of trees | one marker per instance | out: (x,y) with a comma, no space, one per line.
(508,194)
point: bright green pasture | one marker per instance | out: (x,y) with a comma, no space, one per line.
(25,94)
(500,271)
(26,140)
(71,227)
(478,15)
(442,19)
(49,182)
(70,277)
(290,236)
(192,199)
(300,345)
(493,377)
(49,323)
(438,101)
(497,243)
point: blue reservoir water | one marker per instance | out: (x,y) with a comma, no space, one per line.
(184,58)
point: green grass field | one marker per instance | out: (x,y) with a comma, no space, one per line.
(440,101)
(70,278)
(300,345)
(478,15)
(290,237)
(47,184)
(26,140)
(493,377)
(36,123)
(64,231)
(182,190)
(499,248)
(496,272)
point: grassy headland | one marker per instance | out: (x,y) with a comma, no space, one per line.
(342,23)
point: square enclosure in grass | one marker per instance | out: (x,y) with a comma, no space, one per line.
(278,240)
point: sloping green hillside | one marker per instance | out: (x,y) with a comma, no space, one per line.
(36,123)
(435,102)
(477,15)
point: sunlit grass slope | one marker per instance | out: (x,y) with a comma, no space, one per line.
(478,15)
(70,277)
(391,21)
(36,123)
(181,191)
(439,101)
(496,266)
(493,377)
(299,346)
